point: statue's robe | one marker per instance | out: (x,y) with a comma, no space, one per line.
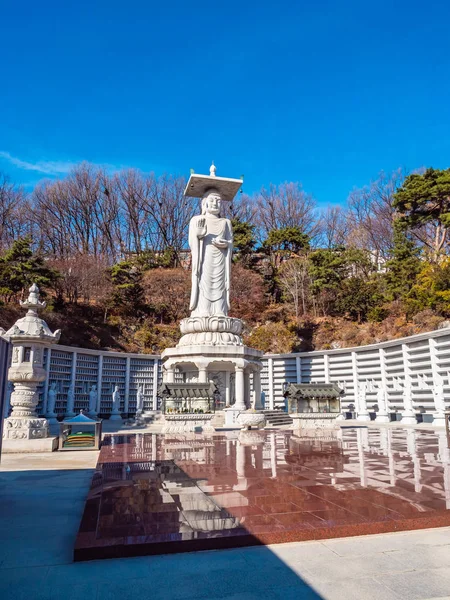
(211,267)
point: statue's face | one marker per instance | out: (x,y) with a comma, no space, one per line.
(213,202)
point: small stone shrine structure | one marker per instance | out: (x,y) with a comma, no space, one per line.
(316,405)
(24,431)
(211,347)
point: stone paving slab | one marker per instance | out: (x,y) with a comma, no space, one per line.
(408,565)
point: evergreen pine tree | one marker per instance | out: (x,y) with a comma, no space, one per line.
(20,268)
(404,265)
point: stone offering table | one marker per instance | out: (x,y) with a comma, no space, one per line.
(248,419)
(315,420)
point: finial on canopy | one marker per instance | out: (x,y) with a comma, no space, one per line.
(198,185)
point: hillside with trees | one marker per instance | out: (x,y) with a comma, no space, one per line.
(110,254)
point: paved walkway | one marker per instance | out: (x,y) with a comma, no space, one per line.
(41,500)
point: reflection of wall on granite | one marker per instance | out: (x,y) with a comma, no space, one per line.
(321,455)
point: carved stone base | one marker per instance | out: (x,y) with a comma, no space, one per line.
(49,444)
(188,422)
(211,331)
(23,428)
(314,420)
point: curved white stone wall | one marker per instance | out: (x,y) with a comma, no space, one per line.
(389,364)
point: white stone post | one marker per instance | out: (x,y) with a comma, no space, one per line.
(127,385)
(257,389)
(408,414)
(247,395)
(240,391)
(71,394)
(227,389)
(47,375)
(438,384)
(326,364)
(29,337)
(270,374)
(360,393)
(298,368)
(382,414)
(155,385)
(99,382)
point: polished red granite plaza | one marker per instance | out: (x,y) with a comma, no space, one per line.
(154,494)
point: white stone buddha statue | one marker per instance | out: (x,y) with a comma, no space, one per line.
(211,243)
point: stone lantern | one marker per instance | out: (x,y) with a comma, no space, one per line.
(29,337)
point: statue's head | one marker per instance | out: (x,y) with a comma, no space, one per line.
(211,202)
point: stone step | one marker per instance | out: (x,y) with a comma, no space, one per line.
(277,417)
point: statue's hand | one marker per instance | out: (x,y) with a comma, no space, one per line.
(201,228)
(220,242)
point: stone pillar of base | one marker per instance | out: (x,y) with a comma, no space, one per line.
(240,389)
(257,389)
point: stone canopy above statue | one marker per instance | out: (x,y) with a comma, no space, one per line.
(198,185)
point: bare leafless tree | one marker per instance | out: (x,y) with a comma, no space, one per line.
(14,221)
(135,230)
(243,208)
(295,282)
(372,213)
(170,212)
(286,205)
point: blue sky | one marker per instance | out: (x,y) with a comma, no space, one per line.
(326,93)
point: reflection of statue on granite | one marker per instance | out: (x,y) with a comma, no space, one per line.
(211,243)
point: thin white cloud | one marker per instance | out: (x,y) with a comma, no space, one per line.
(41,166)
